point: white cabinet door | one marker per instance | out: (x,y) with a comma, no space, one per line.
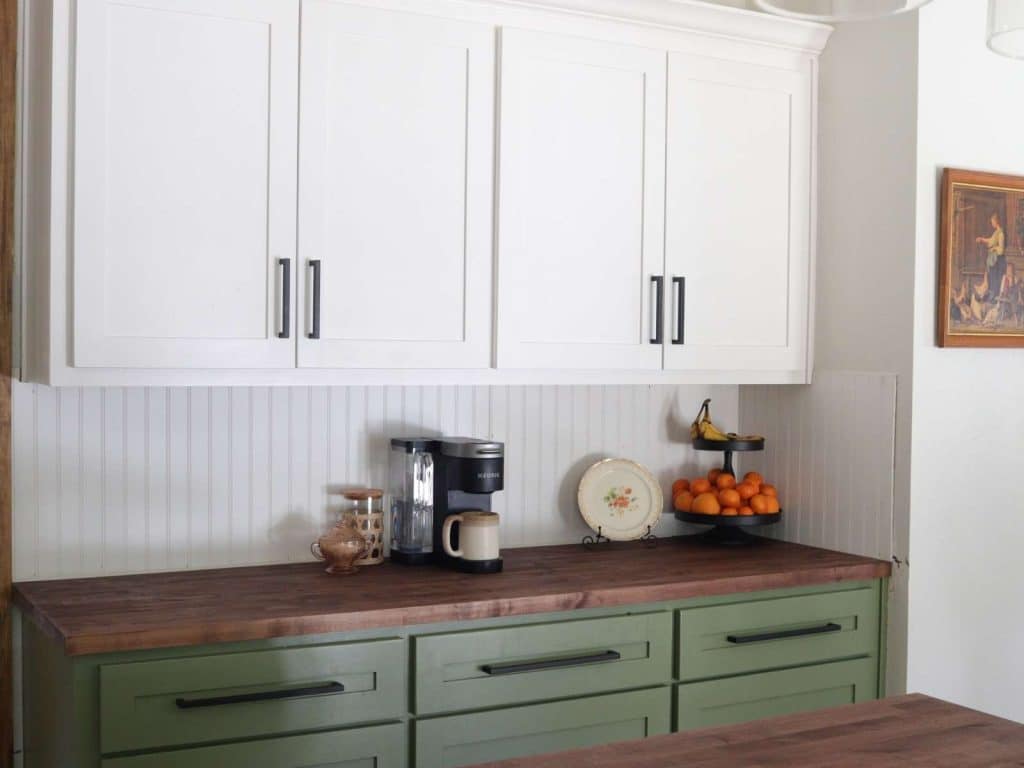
(185,123)
(581,202)
(396,189)
(737,250)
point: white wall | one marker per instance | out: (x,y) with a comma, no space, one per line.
(967,525)
(129,480)
(865,273)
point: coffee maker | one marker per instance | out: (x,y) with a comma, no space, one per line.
(464,471)
(467,472)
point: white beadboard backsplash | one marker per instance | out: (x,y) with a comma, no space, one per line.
(830,450)
(145,479)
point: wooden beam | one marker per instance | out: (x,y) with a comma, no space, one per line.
(8,96)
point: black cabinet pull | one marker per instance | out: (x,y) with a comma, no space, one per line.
(659,306)
(286,298)
(679,283)
(244,698)
(315,333)
(534,666)
(823,629)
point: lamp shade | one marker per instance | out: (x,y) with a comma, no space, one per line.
(1006,27)
(839,10)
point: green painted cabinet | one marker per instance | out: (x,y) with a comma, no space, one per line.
(459,693)
(449,742)
(382,746)
(512,665)
(770,633)
(217,697)
(782,692)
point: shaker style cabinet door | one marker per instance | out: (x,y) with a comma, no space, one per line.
(581,203)
(737,250)
(396,189)
(185,123)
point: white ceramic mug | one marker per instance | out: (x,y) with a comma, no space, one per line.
(478,535)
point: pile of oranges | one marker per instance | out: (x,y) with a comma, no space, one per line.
(720,494)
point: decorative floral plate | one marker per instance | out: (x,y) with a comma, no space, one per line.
(621,498)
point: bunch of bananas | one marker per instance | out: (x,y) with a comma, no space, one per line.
(703,427)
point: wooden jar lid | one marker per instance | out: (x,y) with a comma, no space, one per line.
(362,494)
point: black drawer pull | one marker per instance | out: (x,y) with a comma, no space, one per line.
(244,698)
(534,666)
(823,629)
(286,298)
(680,286)
(314,333)
(658,281)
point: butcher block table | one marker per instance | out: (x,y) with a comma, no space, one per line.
(904,731)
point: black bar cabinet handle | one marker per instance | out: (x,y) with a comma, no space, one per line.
(823,629)
(244,698)
(286,298)
(534,666)
(315,333)
(680,284)
(659,306)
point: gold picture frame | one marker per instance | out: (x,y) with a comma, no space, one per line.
(981,260)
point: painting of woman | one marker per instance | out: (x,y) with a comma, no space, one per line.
(980,258)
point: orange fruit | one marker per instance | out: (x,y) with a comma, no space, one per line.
(706,504)
(713,475)
(679,486)
(725,480)
(683,501)
(754,478)
(746,490)
(730,498)
(769,490)
(746,511)
(773,505)
(759,504)
(699,486)
(730,512)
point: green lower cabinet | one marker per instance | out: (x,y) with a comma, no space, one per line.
(725,640)
(382,746)
(461,671)
(752,697)
(447,742)
(162,703)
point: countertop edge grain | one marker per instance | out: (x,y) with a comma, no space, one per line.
(115,636)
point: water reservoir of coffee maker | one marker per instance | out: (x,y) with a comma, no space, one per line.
(411,488)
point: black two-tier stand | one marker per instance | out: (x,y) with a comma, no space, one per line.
(729,531)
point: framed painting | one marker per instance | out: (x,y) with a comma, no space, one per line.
(981,260)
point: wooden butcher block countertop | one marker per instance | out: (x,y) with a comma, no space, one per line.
(901,732)
(161,610)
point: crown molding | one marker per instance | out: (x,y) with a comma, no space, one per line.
(695,16)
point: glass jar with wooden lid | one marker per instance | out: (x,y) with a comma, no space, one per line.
(365,506)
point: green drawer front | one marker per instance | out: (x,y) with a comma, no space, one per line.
(705,650)
(450,673)
(382,746)
(138,707)
(447,742)
(750,697)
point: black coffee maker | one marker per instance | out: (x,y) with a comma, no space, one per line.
(466,472)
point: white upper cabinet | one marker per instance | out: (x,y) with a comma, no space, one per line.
(396,189)
(184,136)
(581,203)
(264,192)
(737,254)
